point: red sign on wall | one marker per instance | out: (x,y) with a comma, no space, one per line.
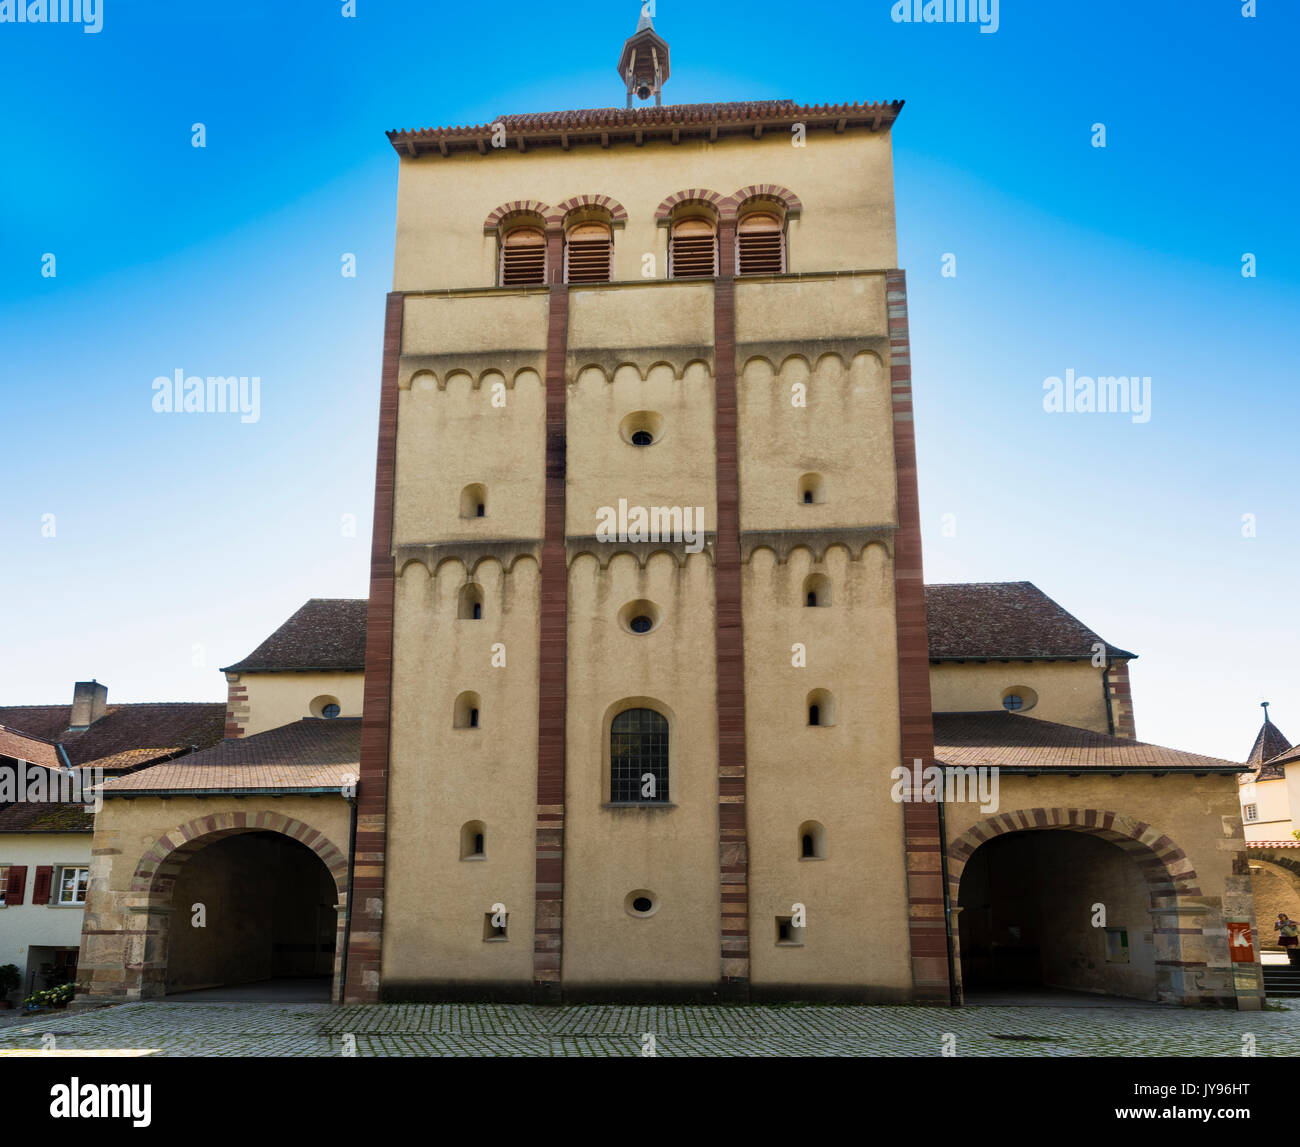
(1240,943)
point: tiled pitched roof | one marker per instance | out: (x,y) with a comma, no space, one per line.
(1287,757)
(50,816)
(1012,740)
(313,753)
(989,620)
(22,747)
(606,126)
(127,735)
(326,633)
(1005,620)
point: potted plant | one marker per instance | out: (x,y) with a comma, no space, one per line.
(10,979)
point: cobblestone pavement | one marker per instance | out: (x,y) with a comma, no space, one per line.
(205,1029)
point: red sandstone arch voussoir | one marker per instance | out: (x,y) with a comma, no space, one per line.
(520,207)
(691,195)
(1163,864)
(162,860)
(789,201)
(617,212)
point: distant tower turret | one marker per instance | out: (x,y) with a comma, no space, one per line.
(644,62)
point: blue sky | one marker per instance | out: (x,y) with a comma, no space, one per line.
(179,543)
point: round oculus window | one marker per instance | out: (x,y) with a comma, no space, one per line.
(642,438)
(641,624)
(641,902)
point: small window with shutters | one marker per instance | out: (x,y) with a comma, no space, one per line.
(4,883)
(13,884)
(693,252)
(523,257)
(760,245)
(588,254)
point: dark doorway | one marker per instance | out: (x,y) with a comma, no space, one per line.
(249,908)
(1055,909)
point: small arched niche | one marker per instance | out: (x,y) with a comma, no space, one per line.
(812,840)
(473,501)
(816,591)
(469,605)
(820,706)
(466,714)
(473,840)
(812,490)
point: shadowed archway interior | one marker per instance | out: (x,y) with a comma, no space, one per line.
(1051,909)
(248,908)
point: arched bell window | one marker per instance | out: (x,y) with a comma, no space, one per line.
(760,245)
(589,253)
(693,252)
(523,257)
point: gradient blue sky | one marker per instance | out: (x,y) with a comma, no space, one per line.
(182,541)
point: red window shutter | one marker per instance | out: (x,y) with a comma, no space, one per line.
(41,889)
(16,885)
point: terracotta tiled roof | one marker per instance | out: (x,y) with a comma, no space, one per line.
(1012,740)
(127,735)
(53,816)
(968,621)
(605,126)
(1005,620)
(22,747)
(313,753)
(326,633)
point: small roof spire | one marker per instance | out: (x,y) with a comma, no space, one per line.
(1264,705)
(644,61)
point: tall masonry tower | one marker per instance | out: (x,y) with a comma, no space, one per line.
(646,631)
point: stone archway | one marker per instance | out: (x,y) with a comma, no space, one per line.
(1181,920)
(158,868)
(1275,886)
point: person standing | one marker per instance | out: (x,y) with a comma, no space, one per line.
(1288,935)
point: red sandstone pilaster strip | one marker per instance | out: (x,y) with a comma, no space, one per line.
(365,940)
(926,930)
(548,927)
(733,845)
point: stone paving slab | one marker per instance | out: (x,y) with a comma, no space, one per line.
(519,1030)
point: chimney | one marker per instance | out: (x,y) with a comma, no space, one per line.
(89,700)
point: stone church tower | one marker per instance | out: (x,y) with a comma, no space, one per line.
(646,624)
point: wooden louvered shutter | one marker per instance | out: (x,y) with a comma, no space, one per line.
(523,258)
(41,889)
(694,250)
(587,256)
(760,245)
(16,884)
